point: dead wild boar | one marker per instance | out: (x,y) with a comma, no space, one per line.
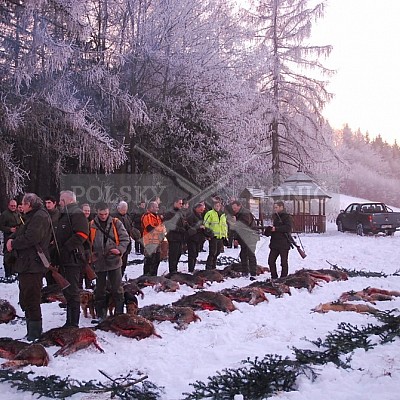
(206,300)
(182,316)
(7,312)
(160,283)
(209,275)
(33,354)
(57,336)
(251,295)
(272,287)
(236,270)
(70,338)
(9,348)
(80,339)
(372,295)
(300,280)
(132,326)
(195,282)
(353,296)
(231,272)
(327,275)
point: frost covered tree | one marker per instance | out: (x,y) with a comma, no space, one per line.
(186,61)
(61,102)
(289,73)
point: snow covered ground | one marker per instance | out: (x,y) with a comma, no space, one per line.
(221,341)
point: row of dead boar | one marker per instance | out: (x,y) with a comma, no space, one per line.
(138,322)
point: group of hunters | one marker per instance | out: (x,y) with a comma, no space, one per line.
(41,236)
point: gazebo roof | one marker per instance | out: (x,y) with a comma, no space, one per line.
(299,186)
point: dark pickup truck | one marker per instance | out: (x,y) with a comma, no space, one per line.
(368,218)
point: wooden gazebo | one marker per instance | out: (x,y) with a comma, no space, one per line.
(302,190)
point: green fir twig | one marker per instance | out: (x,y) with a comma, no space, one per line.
(60,388)
(256,380)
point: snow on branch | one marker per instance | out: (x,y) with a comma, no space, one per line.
(12,115)
(11,175)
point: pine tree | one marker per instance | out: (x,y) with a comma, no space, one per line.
(293,99)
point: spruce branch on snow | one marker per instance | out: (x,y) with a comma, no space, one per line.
(60,388)
(259,378)
(347,338)
(316,357)
(390,330)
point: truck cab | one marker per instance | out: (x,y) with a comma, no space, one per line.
(365,218)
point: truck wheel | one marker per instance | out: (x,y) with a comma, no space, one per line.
(340,226)
(389,233)
(359,230)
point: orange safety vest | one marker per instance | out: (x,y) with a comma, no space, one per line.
(156,236)
(93,230)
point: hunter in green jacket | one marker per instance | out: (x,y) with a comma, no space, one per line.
(215,220)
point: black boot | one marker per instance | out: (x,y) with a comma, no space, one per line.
(119,304)
(7,272)
(68,321)
(27,328)
(34,329)
(100,316)
(119,307)
(253,271)
(73,312)
(101,312)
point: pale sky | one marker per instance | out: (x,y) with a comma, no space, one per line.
(366,55)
